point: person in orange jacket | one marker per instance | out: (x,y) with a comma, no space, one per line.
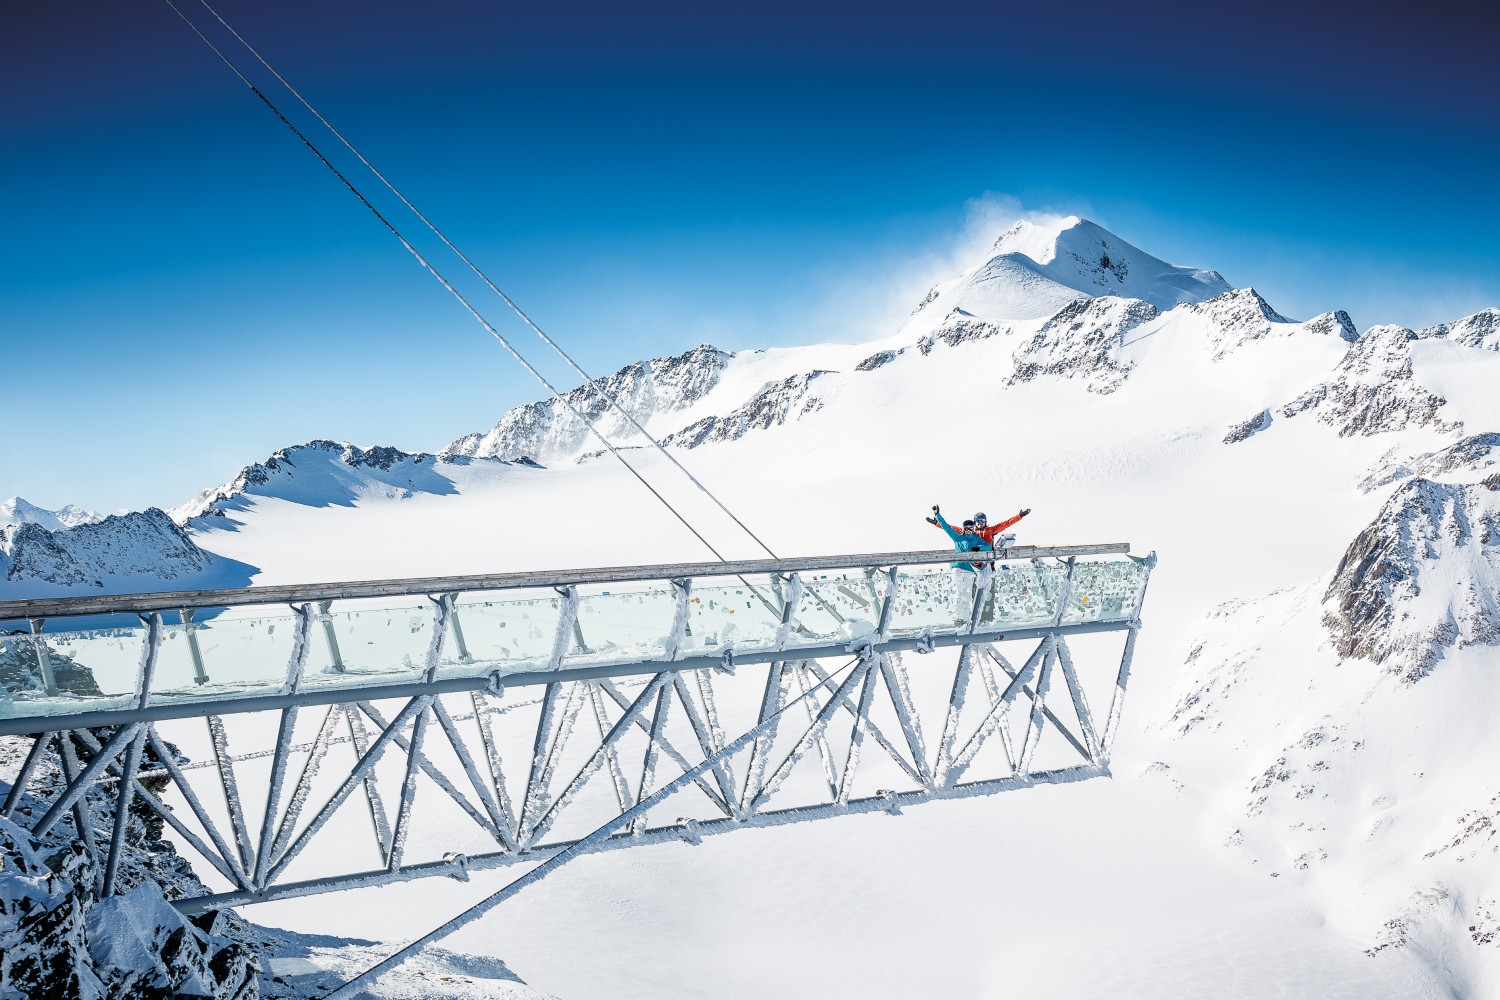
(983,530)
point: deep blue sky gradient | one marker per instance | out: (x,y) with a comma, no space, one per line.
(183,288)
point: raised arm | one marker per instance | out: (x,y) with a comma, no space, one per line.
(994,530)
(937,519)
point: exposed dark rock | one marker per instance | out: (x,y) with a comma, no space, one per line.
(1242,431)
(1391,602)
(875,360)
(1235,318)
(774,404)
(139,543)
(1330,323)
(1482,330)
(1083,340)
(958,327)
(547,430)
(1475,452)
(59,939)
(1372,390)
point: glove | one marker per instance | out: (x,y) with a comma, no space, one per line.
(1026,511)
(932,521)
(934,508)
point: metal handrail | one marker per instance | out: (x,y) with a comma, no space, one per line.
(61,607)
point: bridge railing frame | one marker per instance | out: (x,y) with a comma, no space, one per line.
(255,861)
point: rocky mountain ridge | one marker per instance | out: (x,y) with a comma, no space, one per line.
(547,430)
(99,555)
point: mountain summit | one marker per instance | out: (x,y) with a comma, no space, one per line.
(1036,269)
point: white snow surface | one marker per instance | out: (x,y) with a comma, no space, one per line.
(1292,812)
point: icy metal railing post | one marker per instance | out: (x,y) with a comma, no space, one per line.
(874,660)
(775,690)
(442,614)
(200,675)
(567,618)
(335,657)
(1117,702)
(682,609)
(43,657)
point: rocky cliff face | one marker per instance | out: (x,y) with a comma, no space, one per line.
(1422,578)
(58,939)
(774,404)
(1083,341)
(1471,458)
(958,327)
(546,431)
(1482,330)
(1236,318)
(1241,317)
(1372,390)
(96,556)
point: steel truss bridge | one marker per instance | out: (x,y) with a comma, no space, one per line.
(395,730)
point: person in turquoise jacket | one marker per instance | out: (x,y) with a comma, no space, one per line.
(964,578)
(966,540)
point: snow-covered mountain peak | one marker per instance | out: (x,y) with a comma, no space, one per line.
(1036,240)
(1038,268)
(122,553)
(18,511)
(1482,329)
(323,474)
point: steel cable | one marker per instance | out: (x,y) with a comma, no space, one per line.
(588,379)
(442,280)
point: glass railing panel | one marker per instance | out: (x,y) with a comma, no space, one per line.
(506,630)
(363,640)
(245,651)
(837,607)
(1105,591)
(743,613)
(239,651)
(924,599)
(622,623)
(1022,595)
(91,669)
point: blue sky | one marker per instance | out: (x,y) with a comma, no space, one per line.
(183,288)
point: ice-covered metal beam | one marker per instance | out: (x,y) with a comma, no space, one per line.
(889,802)
(457,685)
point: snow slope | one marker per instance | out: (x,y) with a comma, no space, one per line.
(1301,803)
